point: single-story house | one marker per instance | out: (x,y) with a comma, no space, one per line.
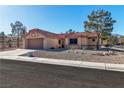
(41,39)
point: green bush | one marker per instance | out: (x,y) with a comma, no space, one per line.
(107,45)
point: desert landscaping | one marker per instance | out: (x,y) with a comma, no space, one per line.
(102,56)
(62,46)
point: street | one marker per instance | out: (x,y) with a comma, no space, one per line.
(25,74)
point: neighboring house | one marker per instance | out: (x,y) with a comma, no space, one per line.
(41,39)
(2,41)
(121,40)
(10,42)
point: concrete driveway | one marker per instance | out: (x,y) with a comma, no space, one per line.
(16,52)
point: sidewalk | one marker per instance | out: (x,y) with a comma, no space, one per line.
(118,49)
(102,66)
(16,52)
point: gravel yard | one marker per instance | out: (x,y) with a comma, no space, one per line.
(82,55)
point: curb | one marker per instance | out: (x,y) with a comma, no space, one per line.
(84,64)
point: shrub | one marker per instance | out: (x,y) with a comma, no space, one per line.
(107,45)
(52,48)
(29,54)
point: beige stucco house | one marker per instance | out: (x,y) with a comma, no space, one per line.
(41,39)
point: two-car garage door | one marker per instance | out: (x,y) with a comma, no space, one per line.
(35,43)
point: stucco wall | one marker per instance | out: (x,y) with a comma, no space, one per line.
(66,41)
(90,42)
(34,35)
(93,44)
(50,43)
(67,45)
(82,42)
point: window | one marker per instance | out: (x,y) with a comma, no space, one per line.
(59,41)
(73,41)
(93,40)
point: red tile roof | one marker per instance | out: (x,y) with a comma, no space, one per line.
(62,36)
(44,32)
(78,34)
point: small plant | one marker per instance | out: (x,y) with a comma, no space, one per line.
(107,45)
(29,54)
(52,48)
(72,49)
(76,52)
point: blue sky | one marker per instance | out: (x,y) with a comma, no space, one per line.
(56,18)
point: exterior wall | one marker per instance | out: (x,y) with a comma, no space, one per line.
(90,42)
(66,42)
(32,35)
(93,44)
(47,42)
(24,43)
(67,45)
(50,43)
(83,42)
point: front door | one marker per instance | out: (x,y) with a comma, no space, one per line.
(63,43)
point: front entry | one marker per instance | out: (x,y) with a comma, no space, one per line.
(62,43)
(35,43)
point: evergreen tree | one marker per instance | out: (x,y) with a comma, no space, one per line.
(101,22)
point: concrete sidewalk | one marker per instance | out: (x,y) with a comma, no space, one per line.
(95,65)
(14,55)
(15,52)
(118,49)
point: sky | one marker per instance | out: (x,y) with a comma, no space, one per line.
(56,19)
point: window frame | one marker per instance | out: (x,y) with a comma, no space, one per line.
(73,41)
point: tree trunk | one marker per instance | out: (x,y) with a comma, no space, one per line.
(97,47)
(110,42)
(18,41)
(3,42)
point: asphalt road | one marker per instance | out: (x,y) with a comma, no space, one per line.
(26,74)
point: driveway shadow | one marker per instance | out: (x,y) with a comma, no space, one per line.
(52,50)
